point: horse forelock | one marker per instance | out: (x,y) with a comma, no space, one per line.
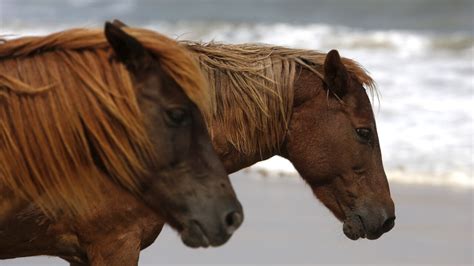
(252,89)
(81,100)
(177,62)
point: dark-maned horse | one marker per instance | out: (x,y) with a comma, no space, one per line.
(91,122)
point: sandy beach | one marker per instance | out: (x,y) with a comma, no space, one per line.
(285,224)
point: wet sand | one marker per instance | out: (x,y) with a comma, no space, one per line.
(285,224)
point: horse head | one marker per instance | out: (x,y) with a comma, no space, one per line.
(332,141)
(187,184)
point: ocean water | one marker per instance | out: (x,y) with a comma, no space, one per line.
(421,54)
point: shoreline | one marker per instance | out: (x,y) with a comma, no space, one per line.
(278,167)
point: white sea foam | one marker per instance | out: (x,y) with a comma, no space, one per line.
(280,169)
(424,119)
(320,36)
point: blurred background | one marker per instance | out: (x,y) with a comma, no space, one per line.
(420,52)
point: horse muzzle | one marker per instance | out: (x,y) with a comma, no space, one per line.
(370,226)
(208,231)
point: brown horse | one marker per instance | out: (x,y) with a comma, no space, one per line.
(307,106)
(90,122)
(310,108)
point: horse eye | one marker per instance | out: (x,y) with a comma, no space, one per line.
(178,117)
(364,133)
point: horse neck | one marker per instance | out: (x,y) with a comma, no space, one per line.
(249,122)
(235,159)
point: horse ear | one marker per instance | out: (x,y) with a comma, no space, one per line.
(127,49)
(119,23)
(335,74)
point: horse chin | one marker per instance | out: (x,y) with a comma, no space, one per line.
(194,235)
(353,227)
(356,227)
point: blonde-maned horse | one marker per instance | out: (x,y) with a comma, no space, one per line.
(91,122)
(309,107)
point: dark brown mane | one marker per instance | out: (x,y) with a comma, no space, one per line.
(65,106)
(259,79)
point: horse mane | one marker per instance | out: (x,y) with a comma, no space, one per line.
(69,116)
(259,79)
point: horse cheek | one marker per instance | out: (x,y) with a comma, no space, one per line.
(304,142)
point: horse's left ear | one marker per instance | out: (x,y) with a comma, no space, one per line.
(335,74)
(128,49)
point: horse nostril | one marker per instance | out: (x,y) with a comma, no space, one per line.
(388,224)
(232,221)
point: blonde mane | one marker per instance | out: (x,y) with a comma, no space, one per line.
(62,94)
(252,89)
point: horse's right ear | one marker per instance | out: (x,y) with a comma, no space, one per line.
(119,23)
(127,49)
(335,74)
